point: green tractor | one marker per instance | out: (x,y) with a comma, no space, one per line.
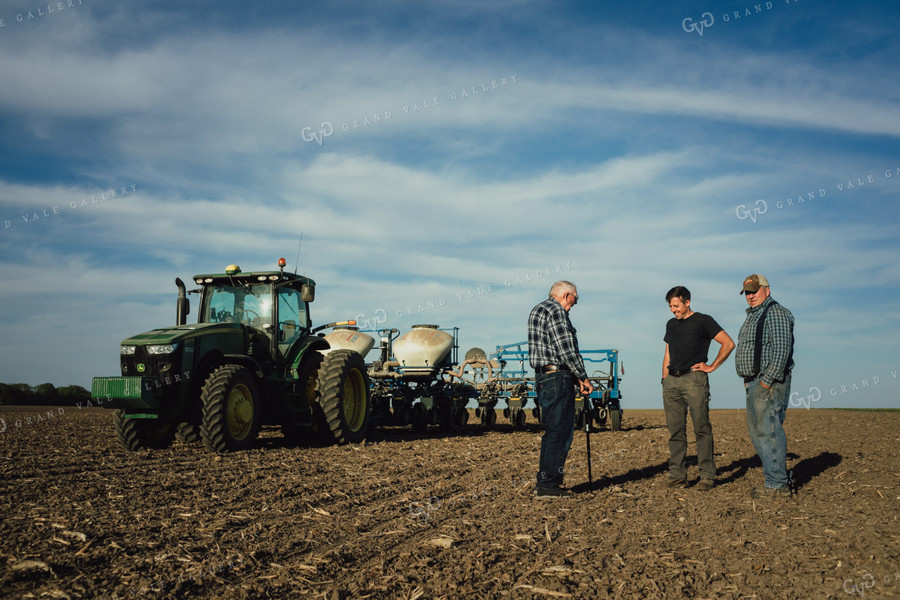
(252,359)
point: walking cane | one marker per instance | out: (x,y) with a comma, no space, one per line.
(587,436)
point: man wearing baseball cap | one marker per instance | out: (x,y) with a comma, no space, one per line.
(764,359)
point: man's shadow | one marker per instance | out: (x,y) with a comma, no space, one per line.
(803,472)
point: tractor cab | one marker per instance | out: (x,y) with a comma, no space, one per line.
(272,306)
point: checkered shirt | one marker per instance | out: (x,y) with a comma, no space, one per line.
(777,343)
(551,339)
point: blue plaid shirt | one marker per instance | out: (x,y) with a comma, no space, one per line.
(551,339)
(777,343)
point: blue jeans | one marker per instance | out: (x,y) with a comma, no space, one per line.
(765,416)
(556,397)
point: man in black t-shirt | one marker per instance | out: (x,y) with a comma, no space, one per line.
(686,385)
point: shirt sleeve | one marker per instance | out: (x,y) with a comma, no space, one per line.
(778,339)
(563,335)
(711,328)
(668,337)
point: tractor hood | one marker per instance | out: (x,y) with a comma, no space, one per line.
(180,333)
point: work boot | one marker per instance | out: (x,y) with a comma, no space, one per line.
(704,485)
(558,492)
(767,492)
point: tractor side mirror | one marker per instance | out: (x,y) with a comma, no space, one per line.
(308,292)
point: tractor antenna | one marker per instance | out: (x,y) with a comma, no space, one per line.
(298,254)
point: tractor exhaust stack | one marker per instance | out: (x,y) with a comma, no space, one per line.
(183,305)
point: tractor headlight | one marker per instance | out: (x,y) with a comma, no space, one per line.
(162,349)
(128,349)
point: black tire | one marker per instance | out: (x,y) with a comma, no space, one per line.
(143,434)
(231,411)
(520,420)
(579,420)
(316,431)
(488,418)
(402,416)
(462,417)
(615,419)
(188,433)
(343,395)
(419,417)
(447,416)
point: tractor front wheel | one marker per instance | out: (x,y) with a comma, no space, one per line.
(143,434)
(343,394)
(188,433)
(231,411)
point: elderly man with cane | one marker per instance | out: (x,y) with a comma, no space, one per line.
(557,363)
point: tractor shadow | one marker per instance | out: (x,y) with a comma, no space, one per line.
(400,433)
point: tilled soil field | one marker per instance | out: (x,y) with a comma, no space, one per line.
(445,516)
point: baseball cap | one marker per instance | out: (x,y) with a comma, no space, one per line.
(753,283)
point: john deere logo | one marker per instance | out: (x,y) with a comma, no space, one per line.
(141,368)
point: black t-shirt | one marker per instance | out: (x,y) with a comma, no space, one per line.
(689,339)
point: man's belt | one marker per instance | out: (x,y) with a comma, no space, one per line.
(755,377)
(679,373)
(552,368)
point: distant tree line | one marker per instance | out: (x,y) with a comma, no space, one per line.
(45,394)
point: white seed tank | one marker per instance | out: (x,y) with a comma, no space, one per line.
(423,346)
(348,338)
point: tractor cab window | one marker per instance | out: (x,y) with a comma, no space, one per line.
(250,305)
(292,318)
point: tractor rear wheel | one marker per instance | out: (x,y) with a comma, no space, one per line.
(343,390)
(141,434)
(231,411)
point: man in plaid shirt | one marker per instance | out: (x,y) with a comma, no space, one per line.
(764,359)
(553,354)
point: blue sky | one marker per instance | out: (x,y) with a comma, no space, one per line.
(440,158)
